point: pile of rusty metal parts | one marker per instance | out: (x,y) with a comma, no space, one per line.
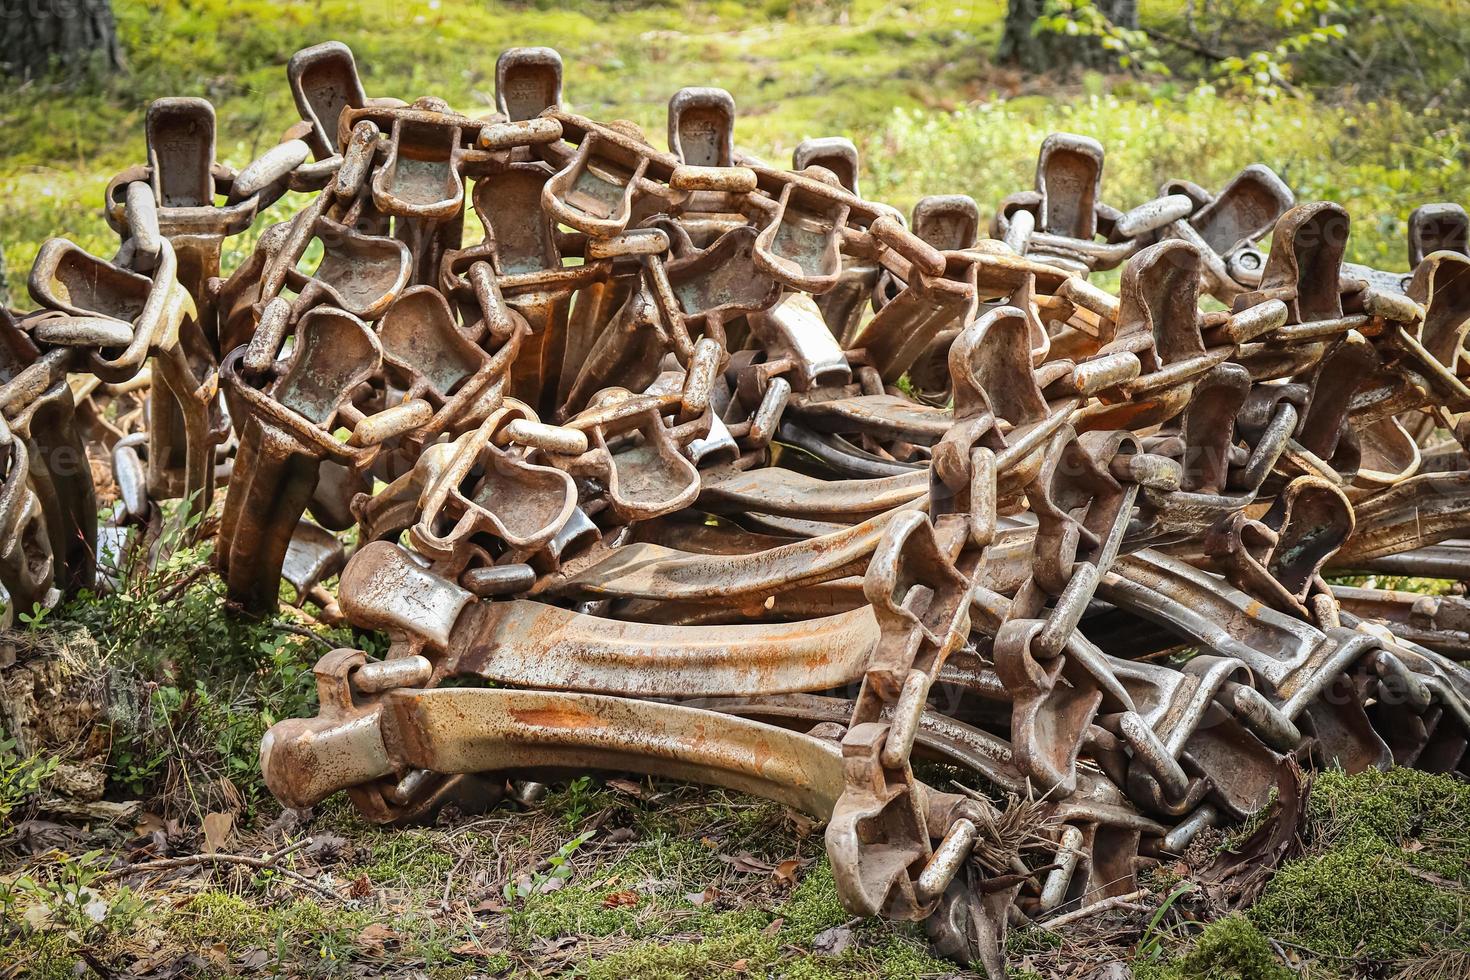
(679,463)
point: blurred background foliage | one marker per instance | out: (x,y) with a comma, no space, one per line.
(1365,102)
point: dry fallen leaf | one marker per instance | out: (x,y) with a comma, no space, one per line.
(748,863)
(472,948)
(147,824)
(1236,875)
(218,828)
(785,872)
(375,937)
(1111,970)
(255,959)
(144,965)
(326,847)
(800,822)
(617,900)
(40,836)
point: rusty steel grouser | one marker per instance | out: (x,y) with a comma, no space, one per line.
(719,471)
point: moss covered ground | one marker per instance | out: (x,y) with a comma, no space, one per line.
(620,879)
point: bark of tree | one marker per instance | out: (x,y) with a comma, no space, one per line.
(1050,51)
(70,36)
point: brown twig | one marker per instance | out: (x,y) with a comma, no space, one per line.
(94,964)
(1276,946)
(296,630)
(449,882)
(1106,905)
(265,863)
(172,592)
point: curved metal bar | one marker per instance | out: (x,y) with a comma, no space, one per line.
(537,645)
(649,571)
(461,730)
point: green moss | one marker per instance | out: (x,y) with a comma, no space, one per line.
(46,955)
(675,938)
(1420,814)
(889,955)
(667,960)
(406,857)
(813,906)
(306,937)
(215,917)
(311,935)
(1389,855)
(301,934)
(660,871)
(708,945)
(1384,876)
(1230,949)
(1358,899)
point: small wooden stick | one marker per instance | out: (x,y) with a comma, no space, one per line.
(266,863)
(449,882)
(1105,905)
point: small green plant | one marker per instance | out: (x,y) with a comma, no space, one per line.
(558,869)
(68,899)
(195,688)
(577,801)
(21,778)
(36,618)
(12,901)
(1151,945)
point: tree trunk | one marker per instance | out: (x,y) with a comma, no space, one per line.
(72,36)
(1049,50)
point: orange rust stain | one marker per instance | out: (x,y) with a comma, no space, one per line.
(763,754)
(553,717)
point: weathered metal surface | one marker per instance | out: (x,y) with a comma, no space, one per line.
(723,472)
